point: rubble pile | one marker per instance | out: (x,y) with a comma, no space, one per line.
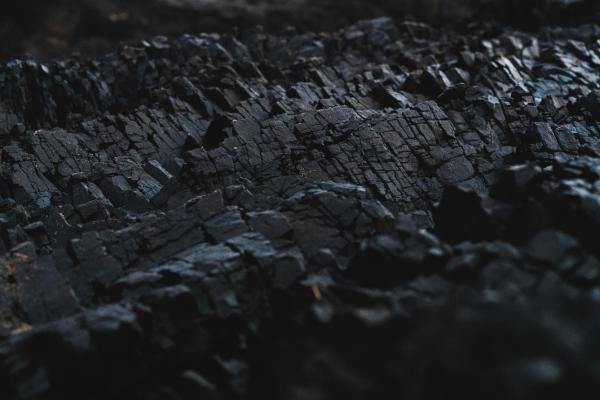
(390,210)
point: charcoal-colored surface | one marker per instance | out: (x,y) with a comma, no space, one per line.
(391,210)
(46,29)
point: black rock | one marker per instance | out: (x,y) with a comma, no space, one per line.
(391,210)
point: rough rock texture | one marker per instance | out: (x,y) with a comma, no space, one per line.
(387,211)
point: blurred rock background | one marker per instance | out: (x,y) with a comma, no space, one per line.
(44,29)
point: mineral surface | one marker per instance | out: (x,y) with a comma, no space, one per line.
(388,210)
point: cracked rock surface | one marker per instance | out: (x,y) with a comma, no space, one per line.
(387,211)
